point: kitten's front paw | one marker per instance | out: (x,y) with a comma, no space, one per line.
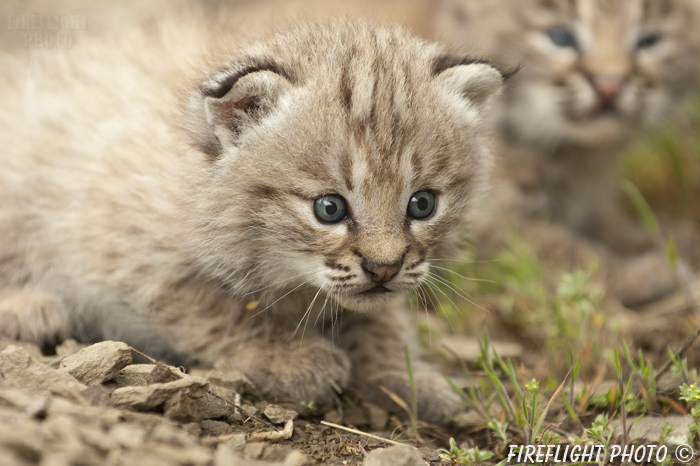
(34,316)
(437,402)
(311,371)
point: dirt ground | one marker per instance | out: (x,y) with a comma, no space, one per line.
(93,405)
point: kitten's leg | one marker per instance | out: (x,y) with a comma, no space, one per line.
(376,344)
(31,315)
(209,326)
(307,370)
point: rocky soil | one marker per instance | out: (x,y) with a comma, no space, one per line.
(94,405)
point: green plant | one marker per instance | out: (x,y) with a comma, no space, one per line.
(679,367)
(309,404)
(691,395)
(523,409)
(645,372)
(600,433)
(464,456)
(666,431)
(667,461)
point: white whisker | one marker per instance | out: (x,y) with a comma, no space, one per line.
(444,314)
(306,313)
(277,283)
(447,284)
(281,297)
(462,276)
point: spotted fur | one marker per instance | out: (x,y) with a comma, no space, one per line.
(172,205)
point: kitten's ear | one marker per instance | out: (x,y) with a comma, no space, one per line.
(475,80)
(233,100)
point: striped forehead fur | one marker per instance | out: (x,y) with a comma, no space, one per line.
(374,77)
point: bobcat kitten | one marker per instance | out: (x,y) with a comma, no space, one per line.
(595,75)
(269,204)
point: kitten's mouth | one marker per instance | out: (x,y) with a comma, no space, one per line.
(379,289)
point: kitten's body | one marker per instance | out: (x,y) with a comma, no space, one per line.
(150,195)
(595,74)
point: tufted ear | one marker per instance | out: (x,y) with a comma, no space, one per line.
(473,79)
(233,100)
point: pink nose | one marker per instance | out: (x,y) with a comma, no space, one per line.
(381,273)
(607,88)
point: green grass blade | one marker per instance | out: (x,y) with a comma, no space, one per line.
(641,206)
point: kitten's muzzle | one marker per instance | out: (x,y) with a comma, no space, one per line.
(607,89)
(381,273)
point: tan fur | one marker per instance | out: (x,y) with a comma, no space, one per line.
(560,137)
(167,199)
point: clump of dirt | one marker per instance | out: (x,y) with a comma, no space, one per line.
(94,406)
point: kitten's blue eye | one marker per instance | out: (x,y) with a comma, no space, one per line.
(648,41)
(562,37)
(330,209)
(421,205)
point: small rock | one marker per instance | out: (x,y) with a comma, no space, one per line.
(334,417)
(68,347)
(279,415)
(283,454)
(229,377)
(166,455)
(21,441)
(98,395)
(468,419)
(127,435)
(182,407)
(134,375)
(215,428)
(355,416)
(97,363)
(193,428)
(162,373)
(140,375)
(297,458)
(213,407)
(225,456)
(18,369)
(16,398)
(253,450)
(151,396)
(33,350)
(173,435)
(394,456)
(429,454)
(236,441)
(648,428)
(468,349)
(376,416)
(86,415)
(302,409)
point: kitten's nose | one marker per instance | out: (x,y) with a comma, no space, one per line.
(607,88)
(381,273)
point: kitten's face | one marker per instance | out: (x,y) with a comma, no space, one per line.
(595,71)
(352,173)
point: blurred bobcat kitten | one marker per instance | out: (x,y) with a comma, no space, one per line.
(595,75)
